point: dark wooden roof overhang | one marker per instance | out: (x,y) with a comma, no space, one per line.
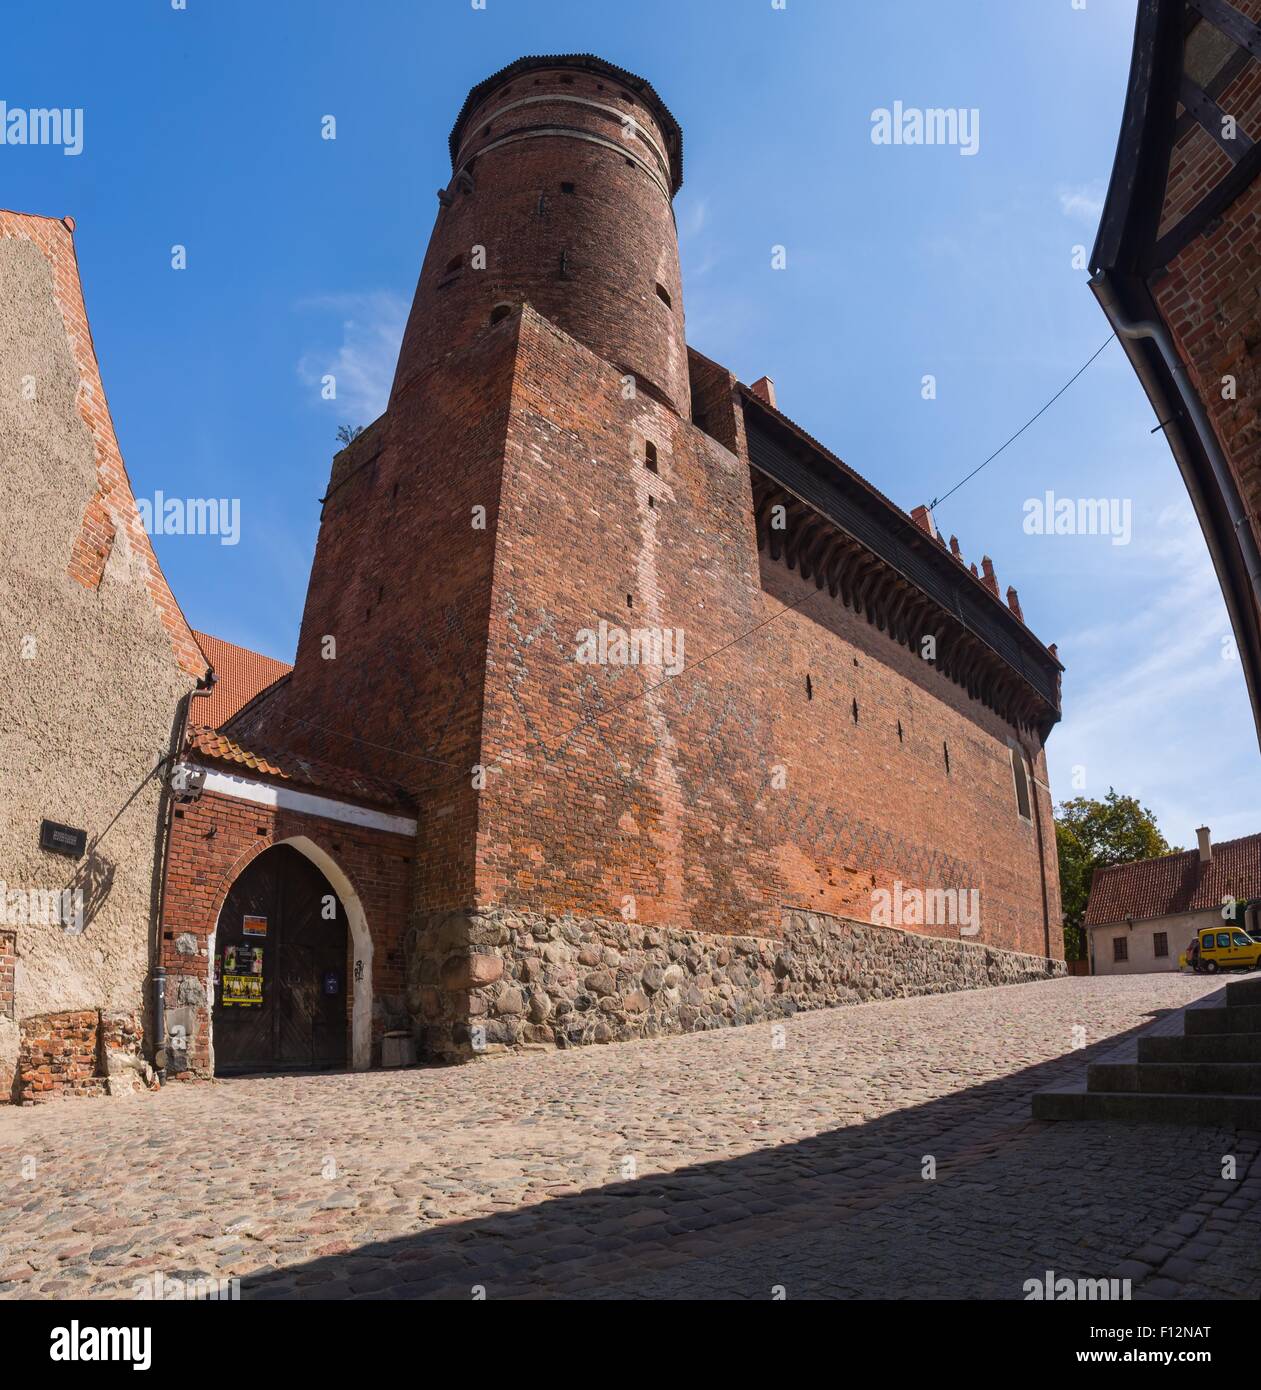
(844,535)
(1129,240)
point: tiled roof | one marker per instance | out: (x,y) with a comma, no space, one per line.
(1175,883)
(241,673)
(296,770)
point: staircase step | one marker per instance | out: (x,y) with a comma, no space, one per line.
(1246,991)
(1202,1078)
(1245,1018)
(1204,1047)
(1176,1078)
(1077,1103)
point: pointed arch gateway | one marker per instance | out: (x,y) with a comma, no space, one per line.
(291,966)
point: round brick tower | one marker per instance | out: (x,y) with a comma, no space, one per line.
(564,171)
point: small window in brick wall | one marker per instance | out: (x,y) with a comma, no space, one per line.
(809,687)
(663,295)
(566,188)
(1161,943)
(855,711)
(1021,776)
(650,456)
(945,749)
(500,312)
(454,264)
(1120,948)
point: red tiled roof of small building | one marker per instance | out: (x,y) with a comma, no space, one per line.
(1175,883)
(242,674)
(339,782)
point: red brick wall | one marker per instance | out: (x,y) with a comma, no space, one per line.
(401,579)
(1211,293)
(601,791)
(60,1056)
(866,805)
(8,970)
(661,797)
(215,838)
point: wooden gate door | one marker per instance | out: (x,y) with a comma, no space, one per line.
(280,969)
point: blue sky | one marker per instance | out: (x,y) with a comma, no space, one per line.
(202,127)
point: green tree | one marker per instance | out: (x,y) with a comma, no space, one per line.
(1091,834)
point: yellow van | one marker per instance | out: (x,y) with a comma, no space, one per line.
(1225,948)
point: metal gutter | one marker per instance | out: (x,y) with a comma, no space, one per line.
(1193,440)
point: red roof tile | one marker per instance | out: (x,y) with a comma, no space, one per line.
(242,674)
(1175,883)
(298,771)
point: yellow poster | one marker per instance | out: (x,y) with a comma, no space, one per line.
(242,990)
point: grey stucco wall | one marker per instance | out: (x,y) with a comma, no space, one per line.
(88,707)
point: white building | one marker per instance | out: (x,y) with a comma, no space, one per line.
(1142,916)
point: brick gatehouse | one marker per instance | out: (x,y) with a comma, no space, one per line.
(620,703)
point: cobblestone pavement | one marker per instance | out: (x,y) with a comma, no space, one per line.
(705,1166)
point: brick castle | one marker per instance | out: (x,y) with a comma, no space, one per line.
(621,706)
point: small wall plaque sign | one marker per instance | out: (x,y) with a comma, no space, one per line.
(62,839)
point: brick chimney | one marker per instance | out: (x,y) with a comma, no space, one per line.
(764,388)
(1013,602)
(923,518)
(989,579)
(1206,844)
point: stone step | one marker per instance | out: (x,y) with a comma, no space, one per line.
(1245,1018)
(1204,1047)
(1186,1078)
(1244,992)
(1077,1103)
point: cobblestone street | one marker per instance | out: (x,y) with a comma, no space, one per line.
(704,1166)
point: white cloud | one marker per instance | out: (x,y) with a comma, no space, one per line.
(1152,707)
(363,362)
(1083,204)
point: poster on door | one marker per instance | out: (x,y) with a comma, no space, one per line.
(242,976)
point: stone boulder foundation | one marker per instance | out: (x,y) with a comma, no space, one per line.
(511,980)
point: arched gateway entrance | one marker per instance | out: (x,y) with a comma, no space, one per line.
(282,969)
